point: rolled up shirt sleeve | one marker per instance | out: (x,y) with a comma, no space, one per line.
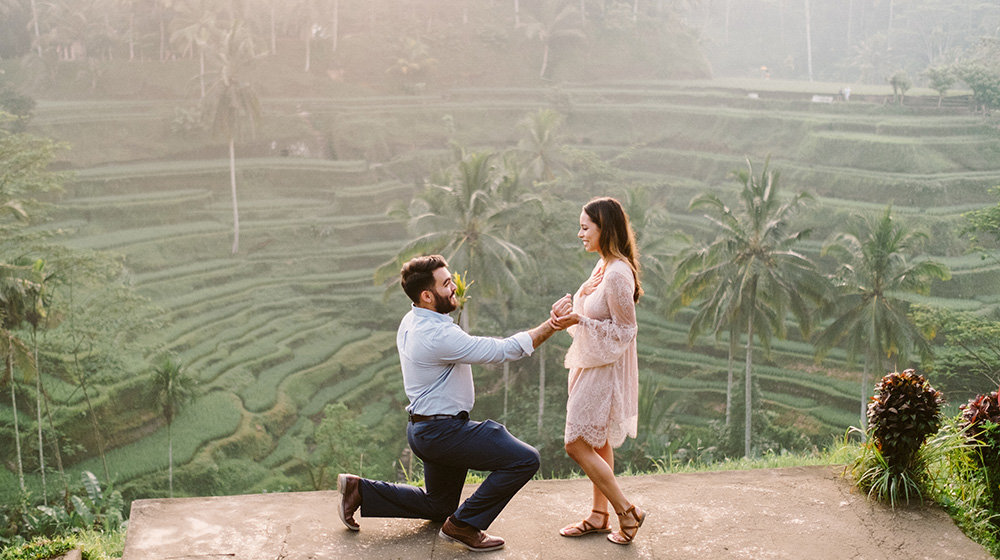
(454,345)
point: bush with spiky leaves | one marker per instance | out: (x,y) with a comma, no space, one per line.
(903,413)
(982,418)
(979,411)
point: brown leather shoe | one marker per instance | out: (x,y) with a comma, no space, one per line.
(470,537)
(349,487)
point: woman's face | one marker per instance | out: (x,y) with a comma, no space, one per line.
(589,233)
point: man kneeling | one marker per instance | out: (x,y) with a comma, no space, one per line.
(436,355)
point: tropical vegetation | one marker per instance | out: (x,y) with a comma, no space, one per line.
(123,241)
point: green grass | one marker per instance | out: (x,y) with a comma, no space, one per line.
(211,417)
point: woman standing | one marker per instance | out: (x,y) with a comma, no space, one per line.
(603,404)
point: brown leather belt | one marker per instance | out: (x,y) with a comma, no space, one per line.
(415,418)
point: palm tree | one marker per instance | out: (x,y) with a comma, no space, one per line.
(306,15)
(869,316)
(173,388)
(197,28)
(464,213)
(554,19)
(657,246)
(36,313)
(750,278)
(542,143)
(16,285)
(34,24)
(235,104)
(809,55)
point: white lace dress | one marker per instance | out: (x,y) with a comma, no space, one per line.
(603,404)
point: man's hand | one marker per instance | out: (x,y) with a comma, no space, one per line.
(562,315)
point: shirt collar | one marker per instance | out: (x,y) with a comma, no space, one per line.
(430,315)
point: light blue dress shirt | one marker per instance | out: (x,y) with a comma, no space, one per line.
(435,355)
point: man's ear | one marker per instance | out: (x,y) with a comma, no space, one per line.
(426,296)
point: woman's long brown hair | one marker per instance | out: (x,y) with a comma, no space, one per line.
(617,239)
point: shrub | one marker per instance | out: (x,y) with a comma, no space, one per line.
(88,508)
(39,549)
(982,419)
(980,411)
(903,413)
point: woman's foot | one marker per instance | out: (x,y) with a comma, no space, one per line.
(596,522)
(629,522)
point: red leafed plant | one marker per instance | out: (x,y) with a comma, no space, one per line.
(903,412)
(982,418)
(979,411)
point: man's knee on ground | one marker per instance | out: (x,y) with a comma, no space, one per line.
(532,461)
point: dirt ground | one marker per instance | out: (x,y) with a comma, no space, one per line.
(802,513)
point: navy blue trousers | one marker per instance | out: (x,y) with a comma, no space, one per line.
(449,448)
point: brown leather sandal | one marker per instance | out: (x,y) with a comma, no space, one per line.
(624,535)
(584,527)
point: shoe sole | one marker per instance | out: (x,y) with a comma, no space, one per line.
(473,549)
(341,483)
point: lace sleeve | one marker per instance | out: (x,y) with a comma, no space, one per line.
(597,342)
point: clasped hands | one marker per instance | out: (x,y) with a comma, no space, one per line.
(562,315)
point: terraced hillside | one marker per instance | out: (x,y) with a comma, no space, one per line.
(294,322)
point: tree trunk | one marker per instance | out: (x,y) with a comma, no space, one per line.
(201,75)
(170,460)
(748,386)
(97,427)
(726,34)
(864,397)
(131,34)
(232,185)
(809,52)
(517,15)
(163,40)
(506,388)
(13,405)
(55,435)
(850,21)
(274,29)
(888,33)
(38,413)
(545,60)
(308,49)
(38,35)
(336,23)
(541,390)
(635,10)
(729,378)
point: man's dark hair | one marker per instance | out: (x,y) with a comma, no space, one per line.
(417,275)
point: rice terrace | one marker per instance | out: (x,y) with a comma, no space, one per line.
(289,338)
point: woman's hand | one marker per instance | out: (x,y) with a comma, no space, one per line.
(563,306)
(562,315)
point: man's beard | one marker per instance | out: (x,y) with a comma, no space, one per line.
(443,304)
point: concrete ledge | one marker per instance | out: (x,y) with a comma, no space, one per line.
(808,513)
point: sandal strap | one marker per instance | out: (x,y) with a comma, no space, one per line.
(603,514)
(627,534)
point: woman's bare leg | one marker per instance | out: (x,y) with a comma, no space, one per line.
(600,473)
(600,500)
